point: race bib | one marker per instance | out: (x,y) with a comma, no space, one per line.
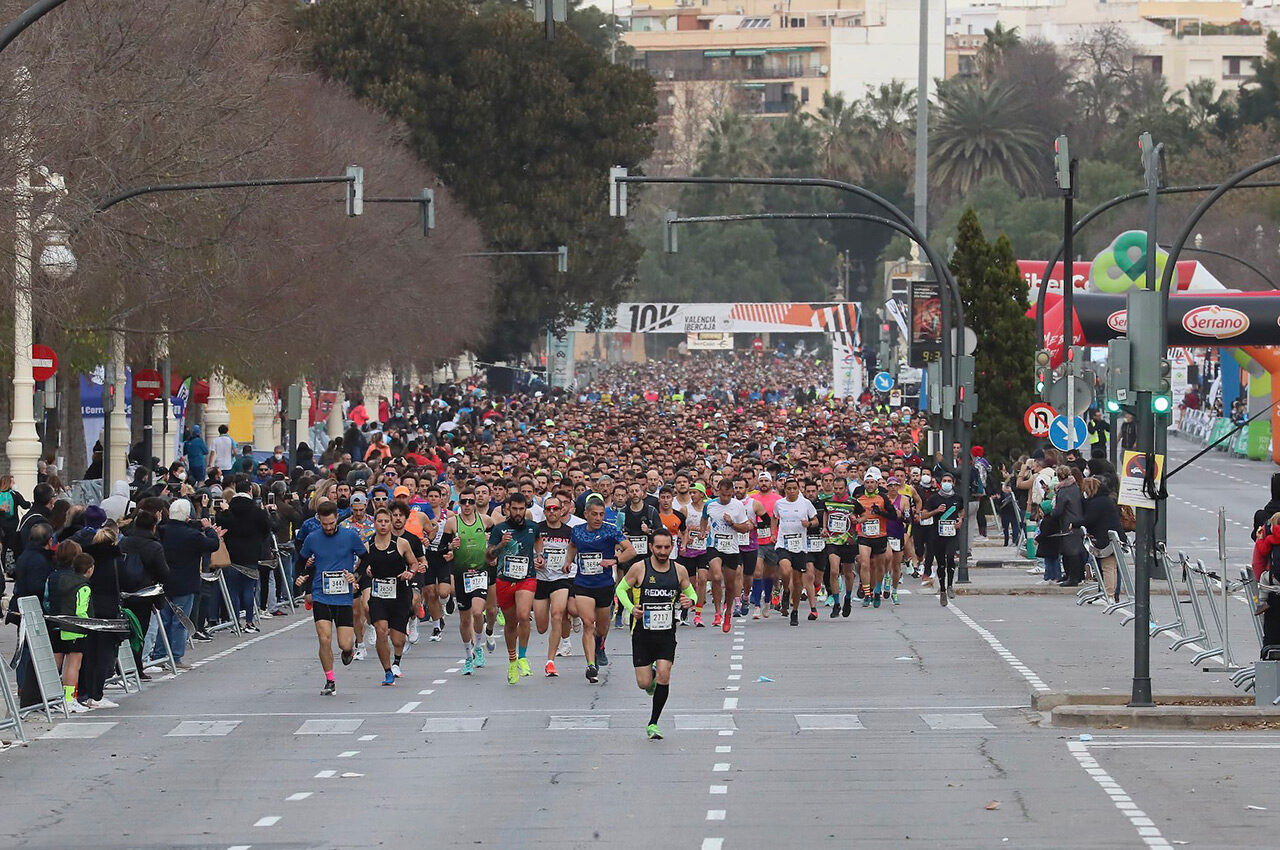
(516,567)
(816,544)
(334,584)
(475,581)
(658,617)
(725,542)
(927,521)
(871,528)
(793,542)
(895,545)
(591,564)
(640,544)
(947,528)
(697,542)
(744,539)
(837,523)
(384,588)
(555,558)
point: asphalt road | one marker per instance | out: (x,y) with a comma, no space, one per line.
(894,727)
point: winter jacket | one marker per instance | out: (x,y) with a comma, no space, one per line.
(1068,507)
(247,527)
(146,544)
(117,504)
(185,546)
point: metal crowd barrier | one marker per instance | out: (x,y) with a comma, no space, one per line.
(1243,678)
(13,714)
(1125,577)
(215,576)
(1179,624)
(35,634)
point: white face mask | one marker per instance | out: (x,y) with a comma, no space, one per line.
(182,476)
(926,479)
(279,455)
(947,486)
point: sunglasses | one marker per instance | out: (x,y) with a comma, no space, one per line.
(466,501)
(380,498)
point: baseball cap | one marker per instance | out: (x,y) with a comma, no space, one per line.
(764,476)
(700,487)
(873,474)
(400,491)
(359,498)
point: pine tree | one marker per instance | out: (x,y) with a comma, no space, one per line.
(995,307)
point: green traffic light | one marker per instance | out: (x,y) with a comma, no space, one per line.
(1113,406)
(1161,403)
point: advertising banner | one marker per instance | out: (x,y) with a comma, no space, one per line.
(709,342)
(560,372)
(731,317)
(926,323)
(1218,318)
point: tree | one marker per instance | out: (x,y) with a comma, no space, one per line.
(1032,225)
(980,131)
(524,131)
(995,305)
(1260,97)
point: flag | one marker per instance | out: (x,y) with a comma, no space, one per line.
(181,400)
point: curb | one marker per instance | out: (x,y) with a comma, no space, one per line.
(1165,716)
(1050,701)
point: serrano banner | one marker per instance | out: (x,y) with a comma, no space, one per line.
(1219,318)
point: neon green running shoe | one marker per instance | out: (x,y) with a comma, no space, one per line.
(513,673)
(502,621)
(654,733)
(524,666)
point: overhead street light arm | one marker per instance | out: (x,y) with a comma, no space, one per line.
(26,19)
(220,184)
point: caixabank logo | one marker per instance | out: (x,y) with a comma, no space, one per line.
(1215,321)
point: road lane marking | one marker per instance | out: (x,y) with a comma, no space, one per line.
(408,707)
(269,820)
(301,795)
(1023,670)
(1138,819)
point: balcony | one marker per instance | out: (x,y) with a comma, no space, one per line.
(733,64)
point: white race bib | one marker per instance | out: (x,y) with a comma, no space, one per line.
(927,521)
(334,584)
(640,544)
(516,567)
(658,617)
(895,545)
(793,542)
(837,523)
(947,528)
(744,539)
(697,541)
(475,581)
(591,564)
(871,528)
(725,543)
(384,588)
(555,558)
(815,545)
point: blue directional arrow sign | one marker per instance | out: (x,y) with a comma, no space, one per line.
(883,382)
(1067,434)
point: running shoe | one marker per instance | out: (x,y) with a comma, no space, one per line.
(862,594)
(253,628)
(894,595)
(888,588)
(602,657)
(76,707)
(654,733)
(715,620)
(795,616)
(875,603)
(347,657)
(697,620)
(513,672)
(847,606)
(565,649)
(942,598)
(727,622)
(653,680)
(593,674)
(549,670)
(395,670)
(200,637)
(523,663)
(435,633)
(449,605)
(479,656)
(813,614)
(866,602)
(835,607)
(576,625)
(370,635)
(100,703)
(330,688)
(951,591)
(489,643)
(413,630)
(755,612)
(502,621)
(467,667)
(359,653)
(389,678)
(833,600)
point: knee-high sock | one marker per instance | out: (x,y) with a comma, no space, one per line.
(659,700)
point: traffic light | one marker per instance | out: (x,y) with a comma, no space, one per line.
(1044,373)
(1061,164)
(1117,373)
(669,243)
(355,191)
(617,192)
(562,259)
(1162,399)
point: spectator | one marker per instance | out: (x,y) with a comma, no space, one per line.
(117,505)
(100,539)
(278,462)
(68,594)
(197,454)
(11,501)
(1128,433)
(1068,509)
(244,463)
(32,568)
(222,450)
(143,566)
(1102,516)
(246,526)
(186,544)
(41,511)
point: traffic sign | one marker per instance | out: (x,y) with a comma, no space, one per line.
(883,382)
(44,362)
(147,384)
(1067,434)
(895,397)
(1037,418)
(1083,395)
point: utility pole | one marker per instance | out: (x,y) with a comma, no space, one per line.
(922,125)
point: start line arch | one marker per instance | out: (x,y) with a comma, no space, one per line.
(839,320)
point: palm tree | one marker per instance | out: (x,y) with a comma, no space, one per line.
(837,127)
(886,127)
(1205,103)
(731,147)
(980,131)
(999,42)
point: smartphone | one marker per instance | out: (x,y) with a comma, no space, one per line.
(271,498)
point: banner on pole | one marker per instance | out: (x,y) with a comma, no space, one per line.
(560,371)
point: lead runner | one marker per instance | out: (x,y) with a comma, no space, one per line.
(657,583)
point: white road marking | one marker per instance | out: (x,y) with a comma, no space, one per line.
(828,722)
(269,820)
(1023,670)
(80,730)
(730,703)
(199,728)
(328,727)
(428,692)
(348,754)
(956,721)
(715,814)
(724,748)
(719,789)
(407,708)
(301,795)
(326,774)
(1138,819)
(720,767)
(707,844)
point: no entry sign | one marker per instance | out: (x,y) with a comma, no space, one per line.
(147,384)
(44,362)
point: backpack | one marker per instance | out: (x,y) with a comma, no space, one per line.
(6,504)
(133,574)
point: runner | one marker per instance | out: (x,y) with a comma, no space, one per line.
(412,526)
(873,535)
(947,508)
(512,543)
(694,554)
(328,564)
(465,534)
(841,551)
(596,547)
(656,582)
(362,524)
(388,567)
(555,579)
(748,543)
(438,580)
(727,518)
(793,516)
(762,587)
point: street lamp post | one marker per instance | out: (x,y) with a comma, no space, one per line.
(561,254)
(24,447)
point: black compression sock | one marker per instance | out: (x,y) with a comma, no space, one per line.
(659,700)
(398,659)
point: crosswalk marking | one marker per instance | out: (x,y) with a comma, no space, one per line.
(328,727)
(581,721)
(79,730)
(201,728)
(939,722)
(828,722)
(454,724)
(705,722)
